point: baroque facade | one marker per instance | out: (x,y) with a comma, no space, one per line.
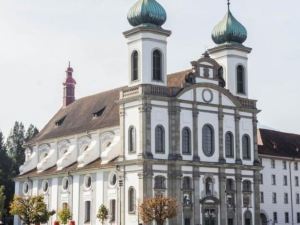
(191,135)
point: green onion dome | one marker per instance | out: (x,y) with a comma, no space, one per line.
(147,12)
(229,30)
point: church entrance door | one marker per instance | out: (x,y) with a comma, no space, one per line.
(210,217)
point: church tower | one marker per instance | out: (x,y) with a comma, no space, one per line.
(147,44)
(69,87)
(231,54)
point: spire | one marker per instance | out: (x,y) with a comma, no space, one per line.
(229,30)
(69,87)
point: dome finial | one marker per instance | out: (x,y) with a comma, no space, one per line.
(229,30)
(147,12)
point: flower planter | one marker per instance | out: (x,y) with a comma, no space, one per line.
(56,223)
(72,222)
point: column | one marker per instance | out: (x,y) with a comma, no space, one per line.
(237,138)
(54,196)
(196,202)
(195,134)
(221,135)
(174,190)
(76,197)
(145,130)
(223,203)
(238,181)
(255,147)
(99,192)
(122,131)
(174,131)
(256,197)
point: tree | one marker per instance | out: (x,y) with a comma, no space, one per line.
(31,210)
(2,202)
(31,132)
(102,214)
(158,209)
(64,215)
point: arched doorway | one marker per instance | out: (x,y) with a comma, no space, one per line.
(263,219)
(248,218)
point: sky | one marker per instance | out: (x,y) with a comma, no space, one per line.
(38,38)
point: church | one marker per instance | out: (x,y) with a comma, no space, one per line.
(191,135)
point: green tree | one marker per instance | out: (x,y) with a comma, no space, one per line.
(32,210)
(64,215)
(102,214)
(2,202)
(31,132)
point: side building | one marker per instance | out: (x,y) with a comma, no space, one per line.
(191,135)
(280,190)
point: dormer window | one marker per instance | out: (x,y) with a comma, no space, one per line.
(59,122)
(240,80)
(134,66)
(157,65)
(99,113)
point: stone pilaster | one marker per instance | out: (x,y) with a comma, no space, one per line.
(237,138)
(255,147)
(222,189)
(122,131)
(196,202)
(195,134)
(174,190)
(121,197)
(145,130)
(238,181)
(174,131)
(221,135)
(256,198)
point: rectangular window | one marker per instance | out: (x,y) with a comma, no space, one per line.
(298,217)
(273,179)
(272,163)
(297,181)
(87,215)
(261,178)
(261,197)
(296,166)
(286,198)
(286,216)
(297,198)
(112,210)
(275,217)
(274,198)
(284,165)
(285,180)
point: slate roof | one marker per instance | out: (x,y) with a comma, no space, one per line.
(78,117)
(276,143)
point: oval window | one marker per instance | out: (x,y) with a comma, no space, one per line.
(113,179)
(45,186)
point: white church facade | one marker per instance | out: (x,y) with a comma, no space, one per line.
(191,135)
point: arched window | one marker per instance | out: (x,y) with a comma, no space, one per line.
(246,147)
(248,217)
(157,65)
(208,140)
(134,66)
(131,139)
(186,141)
(209,186)
(131,200)
(246,186)
(187,183)
(240,80)
(159,139)
(229,145)
(160,182)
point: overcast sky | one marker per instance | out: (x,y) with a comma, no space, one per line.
(39,37)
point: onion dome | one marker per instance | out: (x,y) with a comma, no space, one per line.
(229,30)
(147,12)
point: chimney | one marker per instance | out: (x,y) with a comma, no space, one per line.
(69,87)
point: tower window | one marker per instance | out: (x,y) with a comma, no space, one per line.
(240,72)
(186,141)
(157,65)
(87,216)
(208,140)
(131,200)
(229,145)
(131,140)
(135,66)
(159,139)
(246,147)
